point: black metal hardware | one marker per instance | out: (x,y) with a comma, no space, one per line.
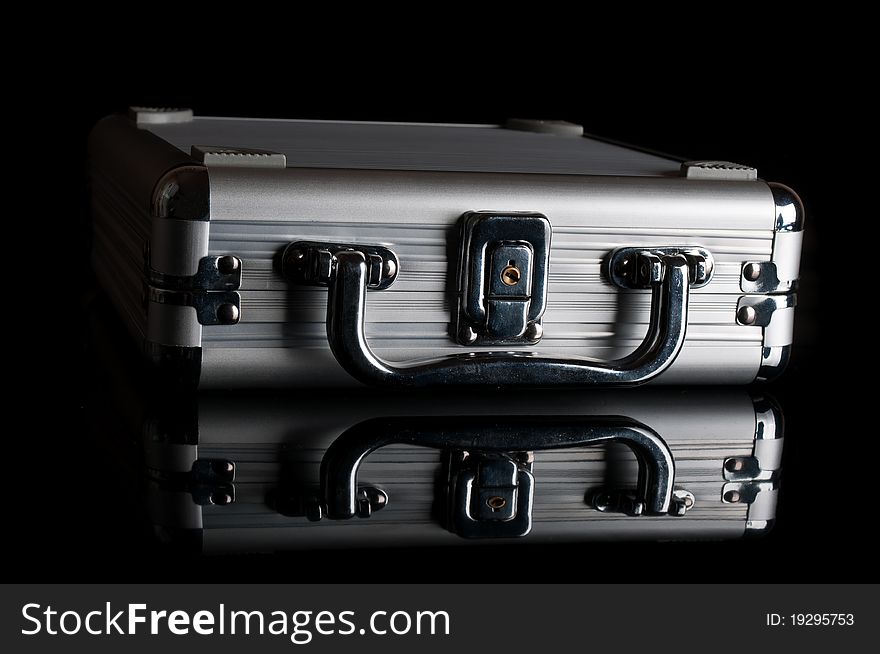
(489,482)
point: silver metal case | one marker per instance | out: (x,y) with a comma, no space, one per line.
(247,474)
(193,217)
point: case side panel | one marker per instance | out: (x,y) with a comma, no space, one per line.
(788,221)
(769,440)
(143,190)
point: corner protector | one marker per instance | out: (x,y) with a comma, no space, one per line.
(774,361)
(173,420)
(180,212)
(758,528)
(176,368)
(183,193)
(769,419)
(789,208)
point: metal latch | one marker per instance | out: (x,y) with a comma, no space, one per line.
(490,494)
(502,278)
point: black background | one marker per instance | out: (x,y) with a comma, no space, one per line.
(76,522)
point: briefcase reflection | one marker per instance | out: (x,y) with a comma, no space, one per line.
(229,473)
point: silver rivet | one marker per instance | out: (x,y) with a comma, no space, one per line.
(688,501)
(534,331)
(389,268)
(467,335)
(734,465)
(221,499)
(227,313)
(752,271)
(227,265)
(747,315)
(602,502)
(223,467)
(732,496)
(295,255)
(379,500)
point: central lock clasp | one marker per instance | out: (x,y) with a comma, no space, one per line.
(490,494)
(502,278)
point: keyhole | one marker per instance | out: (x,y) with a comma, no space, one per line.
(510,275)
(496,502)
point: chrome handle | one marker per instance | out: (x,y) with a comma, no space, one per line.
(348,273)
(496,434)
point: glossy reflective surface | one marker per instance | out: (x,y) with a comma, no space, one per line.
(74,515)
(261,472)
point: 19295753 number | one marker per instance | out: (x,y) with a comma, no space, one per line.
(810,620)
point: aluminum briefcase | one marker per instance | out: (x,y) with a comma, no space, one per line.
(261,253)
(271,473)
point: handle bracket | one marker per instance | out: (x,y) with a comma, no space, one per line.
(641,267)
(311,263)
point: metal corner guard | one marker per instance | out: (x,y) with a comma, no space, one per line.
(502,278)
(349,270)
